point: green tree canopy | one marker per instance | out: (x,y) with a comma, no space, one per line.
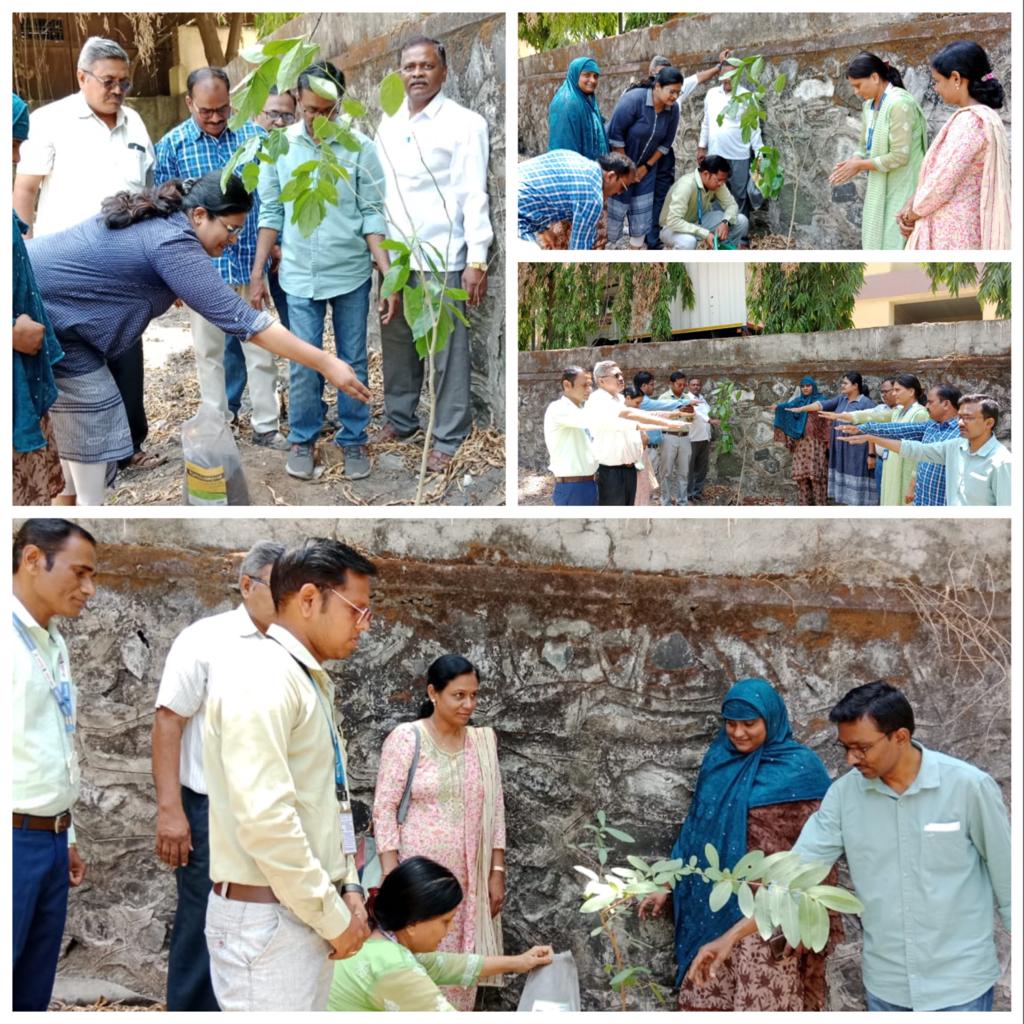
(993,280)
(798,297)
(550,31)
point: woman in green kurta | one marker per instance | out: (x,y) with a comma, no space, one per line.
(894,138)
(398,966)
(898,474)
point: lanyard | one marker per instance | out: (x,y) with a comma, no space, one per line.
(874,118)
(61,691)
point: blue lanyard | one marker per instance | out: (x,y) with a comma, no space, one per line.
(61,690)
(874,118)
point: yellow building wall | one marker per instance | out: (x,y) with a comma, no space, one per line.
(878,310)
(192,55)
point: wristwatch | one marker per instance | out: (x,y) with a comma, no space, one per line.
(352,887)
(482,267)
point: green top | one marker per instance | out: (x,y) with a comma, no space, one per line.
(930,865)
(682,213)
(384,975)
(898,471)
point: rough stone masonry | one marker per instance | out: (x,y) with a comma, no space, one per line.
(604,649)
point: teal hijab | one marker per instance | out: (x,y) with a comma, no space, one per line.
(574,118)
(793,424)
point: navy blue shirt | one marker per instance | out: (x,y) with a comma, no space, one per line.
(635,127)
(101,287)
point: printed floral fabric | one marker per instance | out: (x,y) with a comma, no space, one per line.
(36,476)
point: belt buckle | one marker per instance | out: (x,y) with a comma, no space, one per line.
(57,820)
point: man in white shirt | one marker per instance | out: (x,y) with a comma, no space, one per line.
(434,153)
(700,440)
(182,815)
(54,564)
(566,434)
(676,450)
(82,149)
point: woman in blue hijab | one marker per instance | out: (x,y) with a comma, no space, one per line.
(755,789)
(574,119)
(36,474)
(806,435)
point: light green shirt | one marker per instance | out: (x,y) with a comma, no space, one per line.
(45,774)
(928,864)
(972,478)
(681,211)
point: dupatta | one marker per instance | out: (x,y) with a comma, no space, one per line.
(488,929)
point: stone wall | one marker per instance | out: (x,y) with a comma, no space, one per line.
(975,355)
(365,47)
(604,648)
(815,122)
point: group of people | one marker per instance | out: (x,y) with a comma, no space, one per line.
(954,194)
(254,810)
(254,813)
(610,443)
(121,229)
(934,446)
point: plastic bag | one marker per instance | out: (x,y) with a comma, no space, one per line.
(213,467)
(554,988)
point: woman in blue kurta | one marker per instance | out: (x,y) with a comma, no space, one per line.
(643,126)
(574,118)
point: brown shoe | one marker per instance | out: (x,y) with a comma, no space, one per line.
(438,462)
(387,434)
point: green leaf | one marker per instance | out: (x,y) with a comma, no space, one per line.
(745,898)
(615,833)
(250,100)
(347,138)
(294,187)
(757,68)
(327,192)
(279,47)
(779,84)
(394,280)
(836,898)
(596,903)
(459,315)
(597,930)
(777,896)
(421,347)
(393,246)
(277,144)
(353,107)
(253,54)
(667,865)
(735,62)
(251,176)
(600,818)
(602,854)
(720,893)
(294,63)
(812,874)
(748,864)
(775,864)
(323,87)
(820,926)
(638,862)
(762,914)
(585,871)
(324,128)
(308,213)
(622,977)
(461,295)
(711,855)
(790,919)
(392,92)
(627,873)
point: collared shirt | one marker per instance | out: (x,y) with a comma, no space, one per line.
(689,201)
(616,441)
(667,402)
(928,864)
(335,258)
(442,147)
(269,764)
(637,129)
(700,425)
(726,139)
(972,478)
(183,683)
(567,436)
(188,152)
(82,161)
(45,773)
(561,185)
(930,488)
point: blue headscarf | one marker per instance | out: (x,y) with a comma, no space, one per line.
(20,122)
(574,118)
(793,424)
(730,783)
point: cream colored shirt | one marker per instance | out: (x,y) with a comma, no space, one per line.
(567,439)
(45,773)
(82,161)
(616,441)
(269,766)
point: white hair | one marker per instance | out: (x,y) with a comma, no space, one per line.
(601,369)
(96,48)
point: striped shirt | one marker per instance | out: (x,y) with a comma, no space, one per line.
(187,152)
(561,185)
(930,488)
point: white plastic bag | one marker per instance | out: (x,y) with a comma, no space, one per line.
(213,467)
(554,988)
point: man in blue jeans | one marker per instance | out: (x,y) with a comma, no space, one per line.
(331,267)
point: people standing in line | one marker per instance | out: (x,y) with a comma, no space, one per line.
(689,219)
(659,447)
(574,117)
(894,137)
(806,436)
(700,440)
(84,148)
(286,898)
(455,811)
(435,153)
(182,804)
(332,266)
(54,564)
(646,481)
(962,198)
(571,456)
(675,448)
(202,144)
(877,456)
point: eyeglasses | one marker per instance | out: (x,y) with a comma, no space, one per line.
(362,614)
(860,752)
(259,579)
(233,230)
(282,117)
(122,85)
(206,113)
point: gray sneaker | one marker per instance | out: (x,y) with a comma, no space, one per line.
(357,462)
(271,439)
(301,462)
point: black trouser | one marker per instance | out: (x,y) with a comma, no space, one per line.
(700,452)
(616,485)
(664,178)
(128,371)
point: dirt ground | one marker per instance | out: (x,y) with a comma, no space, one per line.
(475,477)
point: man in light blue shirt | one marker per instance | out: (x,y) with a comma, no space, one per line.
(331,266)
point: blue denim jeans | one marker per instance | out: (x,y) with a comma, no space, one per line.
(234,362)
(306,406)
(582,492)
(983,1004)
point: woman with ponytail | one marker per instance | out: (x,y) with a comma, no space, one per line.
(892,145)
(104,280)
(962,199)
(455,809)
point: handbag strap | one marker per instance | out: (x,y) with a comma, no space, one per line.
(403,804)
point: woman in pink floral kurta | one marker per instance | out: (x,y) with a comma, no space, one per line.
(444,822)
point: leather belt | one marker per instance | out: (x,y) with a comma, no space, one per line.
(574,479)
(245,893)
(55,823)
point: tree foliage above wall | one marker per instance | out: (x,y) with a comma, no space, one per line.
(993,280)
(788,298)
(550,31)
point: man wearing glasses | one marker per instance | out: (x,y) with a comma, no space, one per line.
(80,150)
(199,145)
(286,898)
(182,816)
